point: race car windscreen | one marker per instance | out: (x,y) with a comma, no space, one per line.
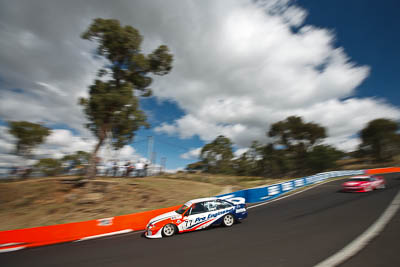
(182,209)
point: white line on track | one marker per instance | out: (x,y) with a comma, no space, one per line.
(105,235)
(360,242)
(11,249)
(11,244)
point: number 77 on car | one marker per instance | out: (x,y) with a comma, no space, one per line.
(197,214)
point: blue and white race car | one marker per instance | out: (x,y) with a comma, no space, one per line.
(197,214)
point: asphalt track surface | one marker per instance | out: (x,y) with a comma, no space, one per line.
(301,230)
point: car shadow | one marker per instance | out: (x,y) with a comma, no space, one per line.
(210,228)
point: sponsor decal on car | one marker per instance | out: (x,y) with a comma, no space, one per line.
(214,215)
(210,212)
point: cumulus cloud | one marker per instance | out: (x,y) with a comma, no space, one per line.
(6,141)
(239,152)
(192,154)
(63,142)
(58,144)
(260,71)
(239,66)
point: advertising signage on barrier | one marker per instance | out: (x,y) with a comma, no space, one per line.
(299,182)
(105,221)
(287,186)
(266,193)
(273,190)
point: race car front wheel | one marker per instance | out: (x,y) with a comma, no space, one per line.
(228,220)
(382,186)
(168,230)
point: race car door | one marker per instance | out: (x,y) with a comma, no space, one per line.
(203,214)
(195,218)
(376,182)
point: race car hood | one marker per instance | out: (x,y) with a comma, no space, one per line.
(355,183)
(171,214)
(236,200)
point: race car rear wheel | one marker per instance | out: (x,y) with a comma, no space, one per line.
(228,220)
(168,230)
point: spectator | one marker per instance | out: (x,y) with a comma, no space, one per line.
(27,170)
(115,168)
(13,172)
(145,169)
(140,169)
(109,168)
(129,168)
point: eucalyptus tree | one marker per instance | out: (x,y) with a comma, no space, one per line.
(217,156)
(28,136)
(112,106)
(297,137)
(323,157)
(380,139)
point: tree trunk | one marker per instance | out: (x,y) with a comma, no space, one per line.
(91,171)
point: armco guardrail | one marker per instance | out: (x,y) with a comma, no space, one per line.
(266,193)
(46,235)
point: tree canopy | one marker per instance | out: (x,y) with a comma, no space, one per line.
(49,166)
(77,158)
(217,155)
(293,133)
(380,139)
(29,135)
(250,162)
(112,107)
(297,137)
(323,157)
(297,149)
(121,46)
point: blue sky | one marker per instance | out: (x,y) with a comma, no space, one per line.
(239,66)
(368,31)
(170,147)
(365,29)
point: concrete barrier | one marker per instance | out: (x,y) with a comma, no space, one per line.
(260,194)
(45,235)
(383,170)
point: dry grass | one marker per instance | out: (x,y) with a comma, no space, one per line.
(237,182)
(39,202)
(365,163)
(47,201)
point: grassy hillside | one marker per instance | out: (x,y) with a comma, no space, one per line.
(47,201)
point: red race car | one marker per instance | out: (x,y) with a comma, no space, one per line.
(363,183)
